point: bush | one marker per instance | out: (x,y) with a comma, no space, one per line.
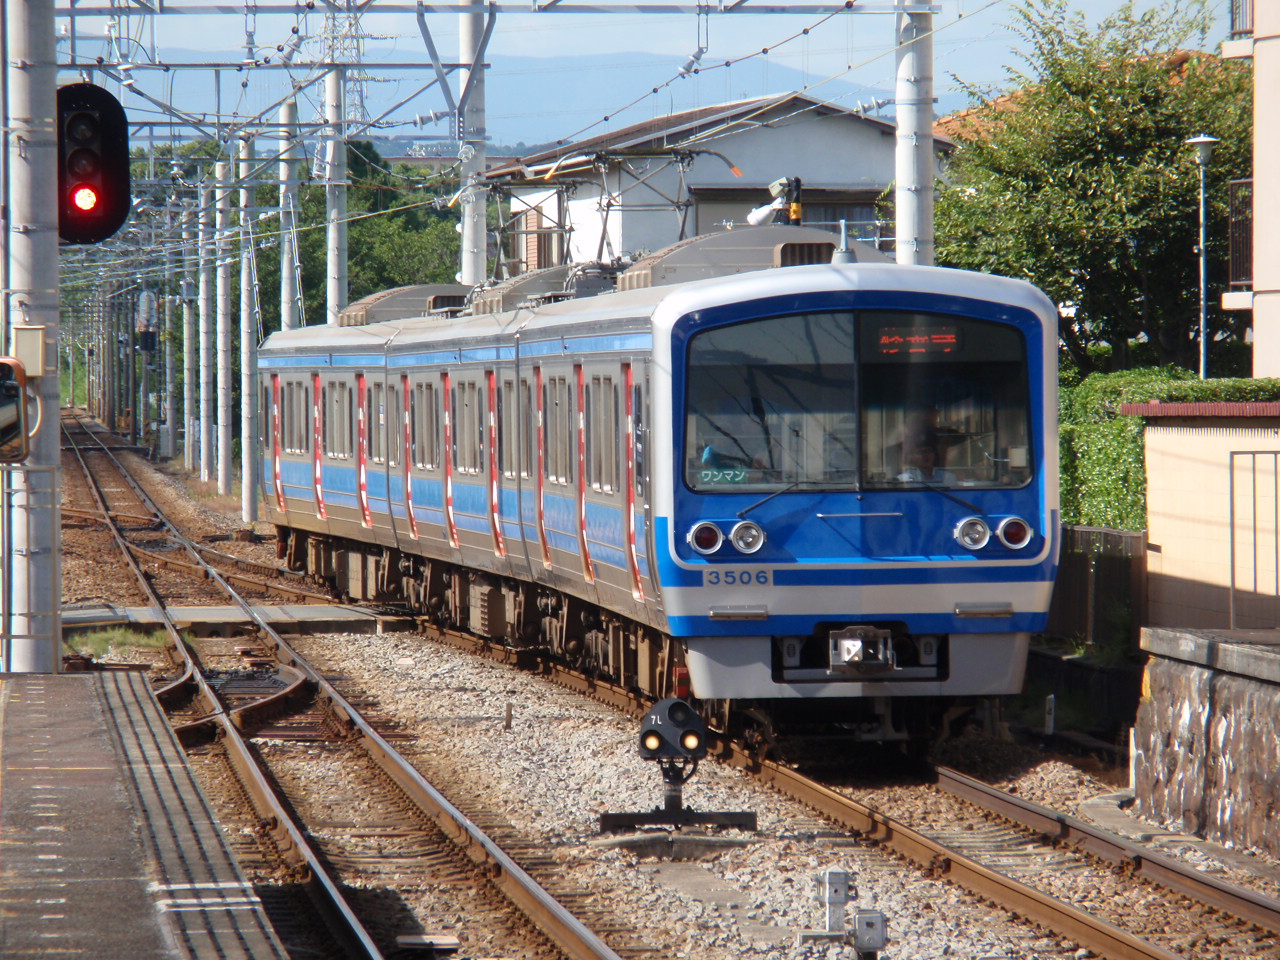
(1104,482)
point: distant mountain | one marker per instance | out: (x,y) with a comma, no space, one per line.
(529,99)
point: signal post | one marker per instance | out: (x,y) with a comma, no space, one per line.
(30,619)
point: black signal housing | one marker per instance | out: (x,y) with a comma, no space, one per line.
(93,164)
(672,730)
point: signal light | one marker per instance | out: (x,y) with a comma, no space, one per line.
(672,730)
(93,164)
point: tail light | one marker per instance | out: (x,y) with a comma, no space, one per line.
(1014,532)
(705,537)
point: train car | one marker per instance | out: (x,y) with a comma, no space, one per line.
(826,490)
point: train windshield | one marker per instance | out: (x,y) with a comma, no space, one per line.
(874,400)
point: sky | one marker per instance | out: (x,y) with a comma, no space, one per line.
(592,65)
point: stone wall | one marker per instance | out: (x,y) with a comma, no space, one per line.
(1207,754)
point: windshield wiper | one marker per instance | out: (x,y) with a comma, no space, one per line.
(777,493)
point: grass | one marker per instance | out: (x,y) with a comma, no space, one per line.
(96,643)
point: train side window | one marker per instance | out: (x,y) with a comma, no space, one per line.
(376,424)
(468,444)
(350,448)
(426,440)
(508,448)
(266,410)
(530,423)
(638,439)
(601,421)
(561,435)
(395,434)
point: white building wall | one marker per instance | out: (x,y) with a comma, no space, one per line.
(835,152)
(1266,188)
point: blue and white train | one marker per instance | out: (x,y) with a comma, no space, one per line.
(825,490)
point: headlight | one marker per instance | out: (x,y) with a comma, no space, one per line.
(747,537)
(1014,532)
(705,537)
(973,533)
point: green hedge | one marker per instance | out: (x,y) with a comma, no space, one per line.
(1104,482)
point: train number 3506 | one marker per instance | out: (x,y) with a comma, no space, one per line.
(736,578)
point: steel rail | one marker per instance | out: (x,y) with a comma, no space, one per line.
(936,858)
(551,917)
(339,915)
(1155,867)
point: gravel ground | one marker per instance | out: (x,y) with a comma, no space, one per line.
(566,760)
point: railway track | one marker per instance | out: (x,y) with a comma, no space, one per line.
(376,819)
(1114,898)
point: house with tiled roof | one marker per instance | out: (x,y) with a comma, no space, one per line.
(643,187)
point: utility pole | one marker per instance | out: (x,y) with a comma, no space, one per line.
(169,447)
(248,341)
(190,349)
(222,247)
(913,158)
(288,218)
(335,195)
(32,623)
(207,253)
(471,134)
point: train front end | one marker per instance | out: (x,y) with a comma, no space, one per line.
(860,499)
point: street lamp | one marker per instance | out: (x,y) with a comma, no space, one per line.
(1204,145)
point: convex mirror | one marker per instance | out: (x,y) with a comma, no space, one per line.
(13,411)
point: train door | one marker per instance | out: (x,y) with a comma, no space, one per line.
(495,489)
(540,464)
(631,478)
(362,447)
(319,431)
(407,454)
(580,439)
(450,522)
(274,426)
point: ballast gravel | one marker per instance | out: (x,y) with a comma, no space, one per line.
(565,760)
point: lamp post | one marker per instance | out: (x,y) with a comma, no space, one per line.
(1203,144)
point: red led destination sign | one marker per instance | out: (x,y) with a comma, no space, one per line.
(917,339)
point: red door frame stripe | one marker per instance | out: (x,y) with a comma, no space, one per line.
(495,507)
(408,450)
(275,443)
(317,442)
(588,572)
(629,454)
(450,526)
(362,428)
(542,472)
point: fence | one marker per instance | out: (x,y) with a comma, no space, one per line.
(1101,595)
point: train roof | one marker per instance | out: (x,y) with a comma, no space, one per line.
(554,318)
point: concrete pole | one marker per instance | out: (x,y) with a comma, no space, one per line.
(913,194)
(110,355)
(146,320)
(474,255)
(129,312)
(288,206)
(169,448)
(190,348)
(222,247)
(206,332)
(35,629)
(248,342)
(335,195)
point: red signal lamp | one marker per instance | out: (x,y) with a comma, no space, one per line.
(84,197)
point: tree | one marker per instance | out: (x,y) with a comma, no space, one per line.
(1080,181)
